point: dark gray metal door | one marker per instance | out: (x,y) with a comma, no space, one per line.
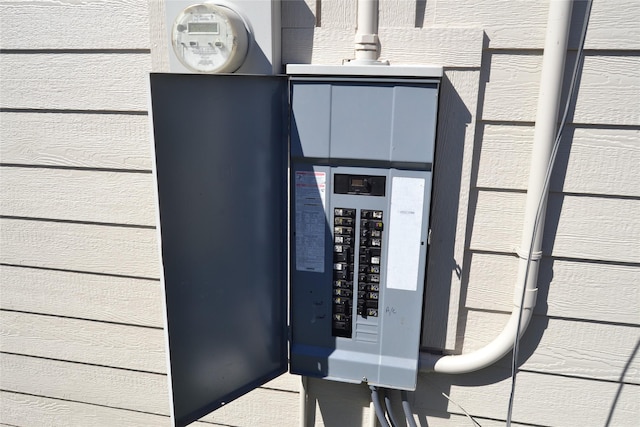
(221,167)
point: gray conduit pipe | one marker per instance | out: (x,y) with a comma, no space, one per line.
(555,51)
(375,398)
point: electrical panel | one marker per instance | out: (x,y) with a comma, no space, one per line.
(344,156)
(361,161)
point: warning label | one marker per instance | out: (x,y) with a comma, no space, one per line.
(310,194)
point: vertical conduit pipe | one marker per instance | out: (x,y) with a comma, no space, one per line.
(555,50)
(304,405)
(366,40)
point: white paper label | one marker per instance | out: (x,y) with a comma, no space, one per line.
(405,226)
(310,189)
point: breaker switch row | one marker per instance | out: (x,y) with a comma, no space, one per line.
(343,257)
(369,257)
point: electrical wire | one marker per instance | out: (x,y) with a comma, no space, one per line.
(389,409)
(406,408)
(375,398)
(473,420)
(541,203)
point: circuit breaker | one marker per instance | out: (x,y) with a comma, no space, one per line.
(294,224)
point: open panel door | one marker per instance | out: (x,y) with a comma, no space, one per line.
(221,167)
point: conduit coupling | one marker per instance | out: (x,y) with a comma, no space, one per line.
(366,39)
(555,51)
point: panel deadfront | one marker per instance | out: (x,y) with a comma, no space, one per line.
(221,158)
(361,166)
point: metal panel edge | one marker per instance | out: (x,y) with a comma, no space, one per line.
(181,417)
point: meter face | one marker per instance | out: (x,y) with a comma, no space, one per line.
(210,38)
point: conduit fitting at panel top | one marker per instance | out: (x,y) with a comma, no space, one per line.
(367,43)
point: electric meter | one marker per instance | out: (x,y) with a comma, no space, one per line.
(210,38)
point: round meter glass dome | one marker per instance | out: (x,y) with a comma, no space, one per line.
(210,38)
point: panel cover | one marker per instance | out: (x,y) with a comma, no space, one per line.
(220,152)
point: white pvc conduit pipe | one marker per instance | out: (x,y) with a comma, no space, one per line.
(555,51)
(558,26)
(366,40)
(303,405)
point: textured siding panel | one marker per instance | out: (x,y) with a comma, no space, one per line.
(540,399)
(136,391)
(507,24)
(514,25)
(397,13)
(608,86)
(93,24)
(90,81)
(590,160)
(79,195)
(83,296)
(97,343)
(576,227)
(109,141)
(450,205)
(564,347)
(450,47)
(80,247)
(22,409)
(338,14)
(298,14)
(261,407)
(572,289)
(117,388)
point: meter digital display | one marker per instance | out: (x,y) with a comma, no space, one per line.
(203,27)
(210,38)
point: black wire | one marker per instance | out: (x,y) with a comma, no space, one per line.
(541,203)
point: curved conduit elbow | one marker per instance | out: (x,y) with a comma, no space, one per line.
(555,52)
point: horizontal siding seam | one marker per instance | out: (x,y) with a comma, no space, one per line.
(97,365)
(72,111)
(79,401)
(561,318)
(540,51)
(110,322)
(75,168)
(564,193)
(95,273)
(72,221)
(558,258)
(114,407)
(499,420)
(579,125)
(455,68)
(581,377)
(599,322)
(74,51)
